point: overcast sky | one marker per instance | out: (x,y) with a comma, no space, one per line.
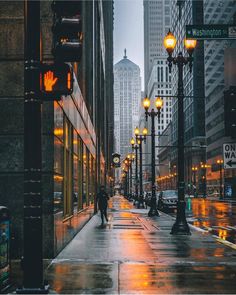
(128,31)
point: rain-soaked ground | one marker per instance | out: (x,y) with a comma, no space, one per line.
(218,217)
(135,254)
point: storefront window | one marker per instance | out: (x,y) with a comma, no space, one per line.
(80,173)
(68,168)
(58,193)
(85,190)
(75,182)
(58,159)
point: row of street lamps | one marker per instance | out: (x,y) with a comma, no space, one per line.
(180,226)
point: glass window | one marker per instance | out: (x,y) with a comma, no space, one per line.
(58,121)
(68,168)
(58,156)
(58,193)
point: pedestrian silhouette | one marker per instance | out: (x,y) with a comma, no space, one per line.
(102,198)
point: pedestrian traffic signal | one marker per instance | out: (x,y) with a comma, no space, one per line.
(230,112)
(56,80)
(67,31)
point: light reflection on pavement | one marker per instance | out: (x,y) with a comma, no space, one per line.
(135,254)
(217,217)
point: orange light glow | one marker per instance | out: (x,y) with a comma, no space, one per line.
(190,44)
(49,80)
(159,103)
(132,141)
(58,131)
(136,131)
(68,81)
(170,42)
(222,234)
(146,103)
(145,131)
(58,178)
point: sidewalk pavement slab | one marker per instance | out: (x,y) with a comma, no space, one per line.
(135,254)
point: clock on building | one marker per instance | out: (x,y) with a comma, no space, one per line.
(116,160)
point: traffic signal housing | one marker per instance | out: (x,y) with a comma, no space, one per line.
(67,31)
(230,112)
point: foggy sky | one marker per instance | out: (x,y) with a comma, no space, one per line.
(128,31)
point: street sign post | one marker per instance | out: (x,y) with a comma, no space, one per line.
(229,152)
(205,32)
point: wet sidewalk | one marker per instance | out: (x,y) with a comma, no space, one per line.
(135,254)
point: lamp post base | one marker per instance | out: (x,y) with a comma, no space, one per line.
(153,209)
(180,228)
(140,202)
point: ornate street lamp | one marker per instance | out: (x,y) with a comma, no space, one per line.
(146,104)
(139,139)
(180,227)
(135,148)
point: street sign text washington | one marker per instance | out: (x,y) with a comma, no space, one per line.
(202,32)
(229,151)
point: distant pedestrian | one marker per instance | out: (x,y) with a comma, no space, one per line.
(102,198)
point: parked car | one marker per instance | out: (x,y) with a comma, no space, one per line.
(167,200)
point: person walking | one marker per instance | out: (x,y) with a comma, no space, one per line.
(102,198)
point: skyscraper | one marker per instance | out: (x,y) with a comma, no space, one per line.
(127,97)
(183,13)
(156,25)
(157,76)
(219,58)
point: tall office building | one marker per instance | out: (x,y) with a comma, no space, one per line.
(157,76)
(182,14)
(77,131)
(156,25)
(127,97)
(219,60)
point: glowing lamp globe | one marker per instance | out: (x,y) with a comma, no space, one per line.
(145,131)
(136,131)
(190,44)
(146,103)
(169,42)
(159,103)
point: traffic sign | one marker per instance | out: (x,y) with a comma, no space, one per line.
(205,32)
(229,152)
(56,80)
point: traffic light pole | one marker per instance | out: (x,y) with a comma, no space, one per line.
(33,281)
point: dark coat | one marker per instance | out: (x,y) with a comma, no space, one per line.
(102,198)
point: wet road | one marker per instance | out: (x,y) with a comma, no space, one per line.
(135,254)
(216,217)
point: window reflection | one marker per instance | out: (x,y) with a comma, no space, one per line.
(58,193)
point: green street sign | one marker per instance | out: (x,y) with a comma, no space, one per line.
(205,32)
